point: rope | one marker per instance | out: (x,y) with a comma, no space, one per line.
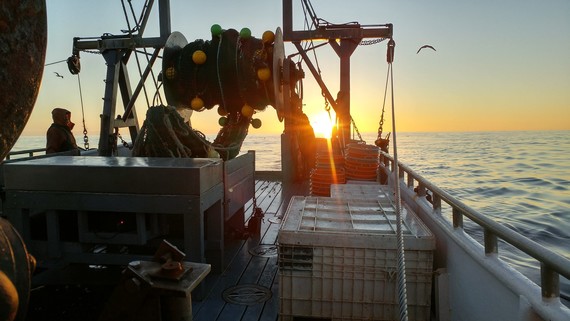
(157,96)
(141,76)
(156,85)
(137,22)
(56,62)
(130,32)
(308,10)
(218,74)
(402,291)
(383,143)
(164,134)
(381,123)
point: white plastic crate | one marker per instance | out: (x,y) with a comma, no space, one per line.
(361,190)
(338,260)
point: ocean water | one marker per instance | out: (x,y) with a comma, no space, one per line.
(521,179)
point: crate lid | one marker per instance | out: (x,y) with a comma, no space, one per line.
(366,223)
(360,189)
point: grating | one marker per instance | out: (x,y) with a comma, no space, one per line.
(247,294)
(264,250)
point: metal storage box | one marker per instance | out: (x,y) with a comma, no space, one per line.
(124,175)
(338,260)
(94,196)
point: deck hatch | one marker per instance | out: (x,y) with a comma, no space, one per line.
(247,294)
(264,250)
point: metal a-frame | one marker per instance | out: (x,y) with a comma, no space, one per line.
(344,39)
(116,51)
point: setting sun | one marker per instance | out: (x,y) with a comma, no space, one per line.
(322,124)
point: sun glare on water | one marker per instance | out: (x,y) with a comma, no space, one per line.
(322,124)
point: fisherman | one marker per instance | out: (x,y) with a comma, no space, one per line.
(59,135)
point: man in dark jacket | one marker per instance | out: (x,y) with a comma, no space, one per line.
(59,135)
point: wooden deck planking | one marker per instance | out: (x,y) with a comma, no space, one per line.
(250,275)
(276,196)
(211,306)
(245,268)
(271,197)
(237,257)
(268,277)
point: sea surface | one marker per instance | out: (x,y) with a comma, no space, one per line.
(519,178)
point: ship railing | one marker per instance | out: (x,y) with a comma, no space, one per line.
(552,265)
(30,152)
(35,153)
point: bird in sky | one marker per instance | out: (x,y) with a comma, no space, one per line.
(425,46)
(57,74)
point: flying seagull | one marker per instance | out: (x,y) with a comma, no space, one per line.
(57,74)
(425,46)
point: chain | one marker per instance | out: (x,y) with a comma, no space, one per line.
(381,124)
(92,52)
(371,42)
(85,137)
(327,106)
(123,141)
(356,129)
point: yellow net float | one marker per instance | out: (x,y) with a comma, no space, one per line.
(197,103)
(247,111)
(268,37)
(170,73)
(264,74)
(199,57)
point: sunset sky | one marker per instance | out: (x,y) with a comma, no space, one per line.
(499,65)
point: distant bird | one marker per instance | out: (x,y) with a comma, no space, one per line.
(425,46)
(57,74)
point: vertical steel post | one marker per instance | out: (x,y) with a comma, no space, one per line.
(550,281)
(164,18)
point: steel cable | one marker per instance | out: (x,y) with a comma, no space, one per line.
(402,291)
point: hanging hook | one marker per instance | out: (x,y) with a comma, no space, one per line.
(390,53)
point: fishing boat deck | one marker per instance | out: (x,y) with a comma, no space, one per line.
(250,262)
(80,293)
